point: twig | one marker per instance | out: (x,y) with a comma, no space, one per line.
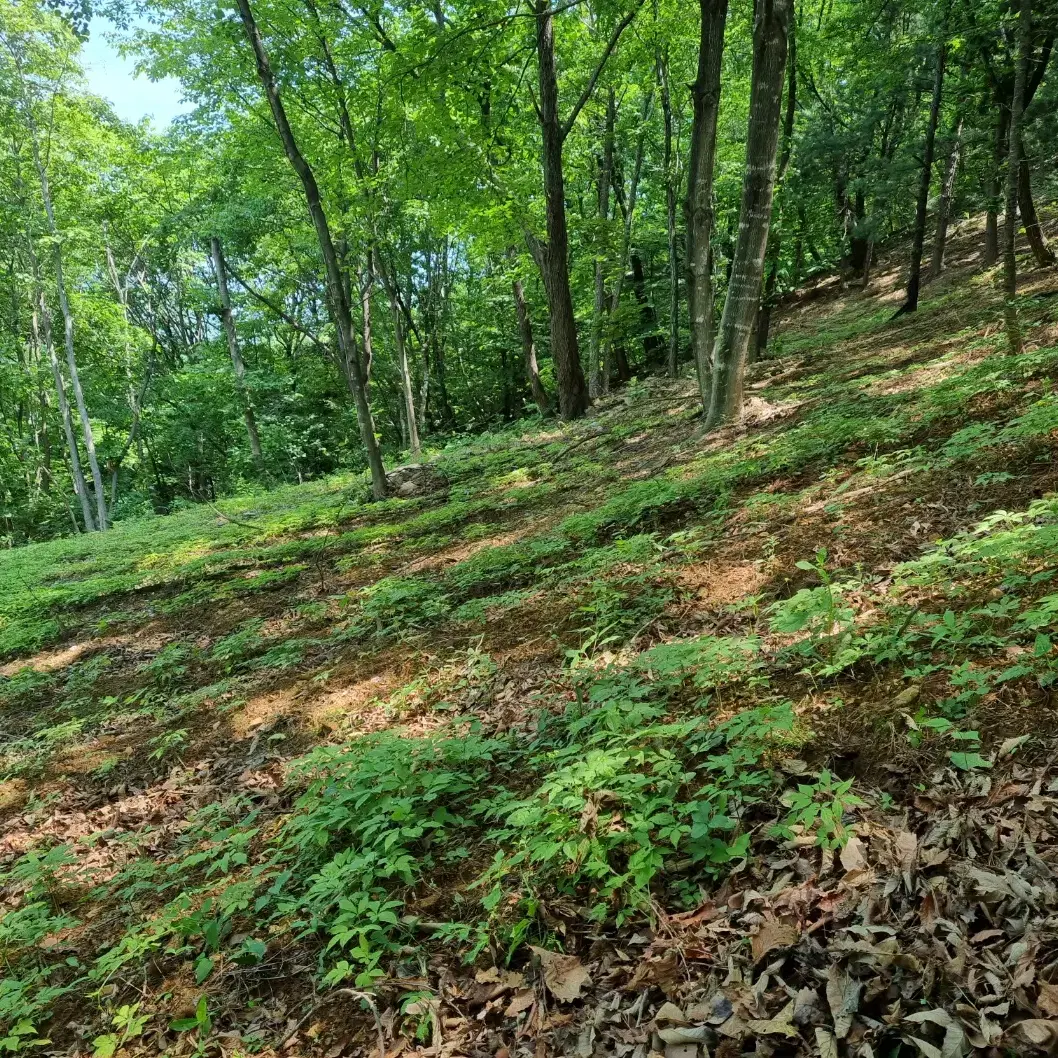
(326,999)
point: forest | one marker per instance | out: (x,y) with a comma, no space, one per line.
(530,529)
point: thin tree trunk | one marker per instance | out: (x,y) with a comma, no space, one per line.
(68,326)
(626,247)
(525,329)
(771,283)
(403,365)
(770,35)
(1041,252)
(1000,149)
(228,321)
(553,255)
(698,207)
(918,241)
(947,193)
(603,179)
(672,360)
(336,288)
(80,486)
(1010,261)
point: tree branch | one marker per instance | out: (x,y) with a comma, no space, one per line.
(285,316)
(590,86)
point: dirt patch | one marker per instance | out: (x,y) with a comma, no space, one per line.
(721,583)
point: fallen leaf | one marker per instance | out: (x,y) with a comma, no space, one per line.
(826,1044)
(1048,999)
(854,855)
(519,1001)
(564,975)
(843,995)
(781,1024)
(773,934)
(1036,1032)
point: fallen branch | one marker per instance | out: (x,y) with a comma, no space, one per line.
(820,505)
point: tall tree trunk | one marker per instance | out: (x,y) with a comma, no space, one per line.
(1000,149)
(652,342)
(553,255)
(672,360)
(227,319)
(698,207)
(604,176)
(80,486)
(1010,261)
(918,241)
(770,35)
(629,203)
(336,288)
(947,193)
(401,348)
(771,283)
(525,329)
(68,325)
(1041,252)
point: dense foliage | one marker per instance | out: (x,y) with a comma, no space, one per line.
(173,330)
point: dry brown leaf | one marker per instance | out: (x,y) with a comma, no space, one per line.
(1048,999)
(520,1001)
(1036,1032)
(854,855)
(906,847)
(564,975)
(773,933)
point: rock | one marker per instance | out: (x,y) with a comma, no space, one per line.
(415,479)
(907,696)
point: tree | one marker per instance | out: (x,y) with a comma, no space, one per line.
(770,35)
(918,238)
(698,208)
(336,287)
(1010,261)
(227,319)
(552,254)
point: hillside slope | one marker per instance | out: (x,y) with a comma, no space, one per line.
(756,727)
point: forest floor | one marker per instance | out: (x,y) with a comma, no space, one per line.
(616,738)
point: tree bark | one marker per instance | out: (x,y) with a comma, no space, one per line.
(603,178)
(629,203)
(336,288)
(1010,261)
(1000,148)
(227,319)
(672,360)
(947,194)
(552,256)
(698,206)
(770,36)
(771,283)
(1042,254)
(918,241)
(80,486)
(401,348)
(525,329)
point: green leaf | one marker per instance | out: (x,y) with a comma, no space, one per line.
(203,968)
(969,761)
